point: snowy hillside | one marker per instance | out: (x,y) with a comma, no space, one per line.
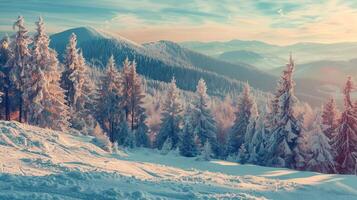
(43,164)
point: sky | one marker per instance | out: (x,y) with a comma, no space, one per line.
(276,21)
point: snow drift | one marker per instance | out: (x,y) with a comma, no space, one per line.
(44,164)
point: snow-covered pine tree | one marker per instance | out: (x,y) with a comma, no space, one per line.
(246,114)
(256,140)
(321,156)
(282,147)
(136,109)
(171,117)
(345,141)
(188,146)
(46,100)
(243,154)
(126,85)
(78,89)
(109,100)
(5,55)
(122,132)
(203,122)
(141,133)
(19,63)
(330,118)
(206,153)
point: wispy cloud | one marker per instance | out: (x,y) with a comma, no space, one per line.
(277,21)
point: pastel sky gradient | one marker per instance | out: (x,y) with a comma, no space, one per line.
(275,21)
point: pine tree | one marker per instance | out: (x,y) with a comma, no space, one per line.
(171,117)
(345,142)
(255,140)
(109,101)
(245,115)
(136,98)
(283,141)
(203,122)
(243,154)
(320,152)
(5,82)
(330,117)
(125,81)
(76,83)
(122,132)
(19,63)
(206,153)
(188,147)
(46,100)
(133,95)
(141,136)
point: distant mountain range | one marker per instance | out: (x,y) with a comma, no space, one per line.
(267,56)
(163,59)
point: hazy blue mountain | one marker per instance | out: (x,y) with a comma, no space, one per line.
(303,52)
(328,71)
(263,61)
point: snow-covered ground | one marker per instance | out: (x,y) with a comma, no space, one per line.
(43,164)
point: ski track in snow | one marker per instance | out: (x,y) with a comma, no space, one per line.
(43,164)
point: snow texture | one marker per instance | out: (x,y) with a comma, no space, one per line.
(44,164)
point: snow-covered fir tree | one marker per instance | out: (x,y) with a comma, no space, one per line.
(19,63)
(320,154)
(255,141)
(243,154)
(283,142)
(246,114)
(206,153)
(330,118)
(77,85)
(122,132)
(171,117)
(46,100)
(188,146)
(345,141)
(109,100)
(141,133)
(5,84)
(133,95)
(203,122)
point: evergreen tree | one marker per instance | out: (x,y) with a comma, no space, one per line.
(243,154)
(141,133)
(125,81)
(283,141)
(121,132)
(246,114)
(345,142)
(76,83)
(330,117)
(320,152)
(109,100)
(132,94)
(256,140)
(171,117)
(46,100)
(5,82)
(206,152)
(203,122)
(188,145)
(136,99)
(19,63)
